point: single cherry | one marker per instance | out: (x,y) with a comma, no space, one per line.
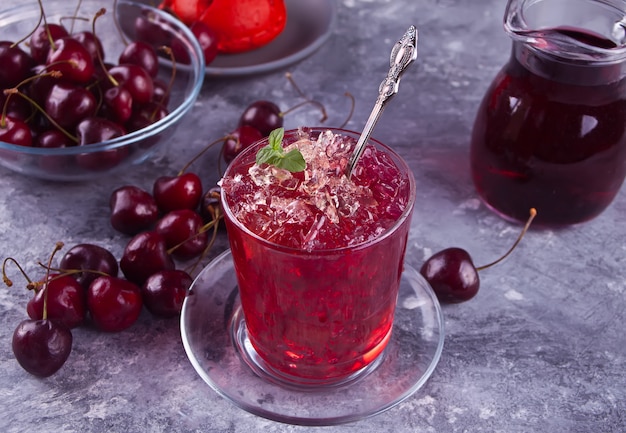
(183,232)
(241,138)
(72,59)
(66,301)
(136,80)
(40,40)
(91,42)
(68,104)
(42,346)
(265,116)
(93,260)
(179,192)
(141,54)
(164,292)
(15,131)
(144,255)
(211,205)
(452,274)
(15,64)
(114,303)
(132,210)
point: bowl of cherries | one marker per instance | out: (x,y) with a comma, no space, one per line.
(91,86)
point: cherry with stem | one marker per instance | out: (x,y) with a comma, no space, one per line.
(453,275)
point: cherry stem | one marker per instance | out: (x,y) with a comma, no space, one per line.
(117,24)
(78,4)
(201,230)
(57,247)
(98,14)
(38,107)
(167,50)
(42,16)
(215,225)
(199,154)
(308,100)
(352,104)
(533,214)
(67,272)
(6,279)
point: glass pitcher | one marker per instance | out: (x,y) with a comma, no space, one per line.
(550,132)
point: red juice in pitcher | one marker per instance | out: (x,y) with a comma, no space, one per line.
(550,132)
(319,256)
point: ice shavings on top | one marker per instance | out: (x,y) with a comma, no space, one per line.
(320,208)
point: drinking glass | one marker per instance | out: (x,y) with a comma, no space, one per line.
(316,317)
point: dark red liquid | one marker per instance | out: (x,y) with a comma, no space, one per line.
(551,144)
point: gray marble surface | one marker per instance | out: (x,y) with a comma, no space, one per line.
(542,347)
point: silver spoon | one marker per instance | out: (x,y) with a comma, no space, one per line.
(402,55)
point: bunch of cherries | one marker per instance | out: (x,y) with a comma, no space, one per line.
(60,92)
(167,226)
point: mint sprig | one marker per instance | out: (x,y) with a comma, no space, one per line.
(275,155)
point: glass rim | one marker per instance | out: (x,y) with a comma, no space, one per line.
(398,160)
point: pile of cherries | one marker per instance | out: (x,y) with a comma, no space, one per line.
(60,92)
(168,227)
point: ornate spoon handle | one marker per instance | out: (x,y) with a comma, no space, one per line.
(402,55)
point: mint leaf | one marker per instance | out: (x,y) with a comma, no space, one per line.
(274,154)
(275,139)
(292,161)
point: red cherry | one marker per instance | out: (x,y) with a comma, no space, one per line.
(180,192)
(165,291)
(452,274)
(40,40)
(15,131)
(182,229)
(72,59)
(262,115)
(141,54)
(15,64)
(66,302)
(238,140)
(95,130)
(114,303)
(136,80)
(92,43)
(132,210)
(68,104)
(118,104)
(41,347)
(89,257)
(144,255)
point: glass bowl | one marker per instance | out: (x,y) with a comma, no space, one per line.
(123,22)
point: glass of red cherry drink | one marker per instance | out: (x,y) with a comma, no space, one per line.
(318,256)
(550,132)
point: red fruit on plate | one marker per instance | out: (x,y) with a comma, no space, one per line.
(114,303)
(187,11)
(244,25)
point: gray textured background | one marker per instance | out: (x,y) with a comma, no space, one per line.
(541,348)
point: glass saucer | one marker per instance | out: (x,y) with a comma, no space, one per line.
(212,306)
(309,24)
